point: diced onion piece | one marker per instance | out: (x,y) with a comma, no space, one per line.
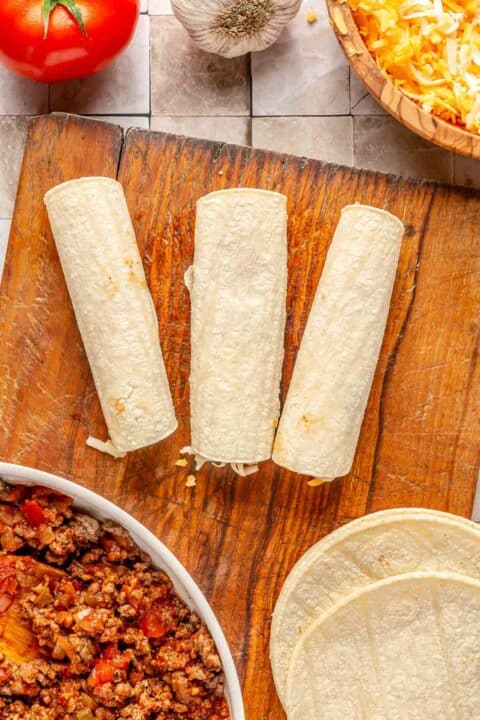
(85,714)
(81,614)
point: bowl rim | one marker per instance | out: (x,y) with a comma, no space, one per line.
(161,556)
(405,110)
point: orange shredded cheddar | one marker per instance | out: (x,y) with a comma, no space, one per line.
(430,49)
(311,17)
(316,482)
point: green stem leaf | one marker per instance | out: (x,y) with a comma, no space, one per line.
(72,7)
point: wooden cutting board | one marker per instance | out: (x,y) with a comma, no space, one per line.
(239,537)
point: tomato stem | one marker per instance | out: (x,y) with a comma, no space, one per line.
(72,7)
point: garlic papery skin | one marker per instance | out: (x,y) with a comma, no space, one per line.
(234,27)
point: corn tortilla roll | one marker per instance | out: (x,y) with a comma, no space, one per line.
(114,310)
(333,374)
(238,288)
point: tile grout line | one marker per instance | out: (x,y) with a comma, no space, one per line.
(150,50)
(373,140)
(250,123)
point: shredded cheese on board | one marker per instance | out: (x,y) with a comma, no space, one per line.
(242,469)
(106,447)
(430,49)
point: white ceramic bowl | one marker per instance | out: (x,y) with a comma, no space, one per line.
(162,558)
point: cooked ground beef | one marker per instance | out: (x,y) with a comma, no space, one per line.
(115,641)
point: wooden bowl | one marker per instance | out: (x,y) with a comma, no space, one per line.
(388,95)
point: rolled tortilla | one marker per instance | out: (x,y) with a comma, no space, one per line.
(104,274)
(238,287)
(320,423)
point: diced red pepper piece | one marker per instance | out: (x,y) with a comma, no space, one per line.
(158,620)
(33,513)
(153,625)
(103,672)
(119,660)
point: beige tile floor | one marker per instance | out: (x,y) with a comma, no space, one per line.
(298,96)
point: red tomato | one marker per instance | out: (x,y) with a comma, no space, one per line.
(47,41)
(33,513)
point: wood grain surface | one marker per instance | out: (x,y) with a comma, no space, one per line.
(404,109)
(239,537)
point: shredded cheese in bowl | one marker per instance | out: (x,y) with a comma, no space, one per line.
(430,49)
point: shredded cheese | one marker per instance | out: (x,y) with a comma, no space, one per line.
(430,49)
(316,482)
(242,469)
(106,447)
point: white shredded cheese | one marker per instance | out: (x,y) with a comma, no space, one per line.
(105,446)
(241,469)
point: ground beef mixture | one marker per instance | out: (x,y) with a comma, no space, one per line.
(114,639)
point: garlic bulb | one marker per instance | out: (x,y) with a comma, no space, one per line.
(234,27)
